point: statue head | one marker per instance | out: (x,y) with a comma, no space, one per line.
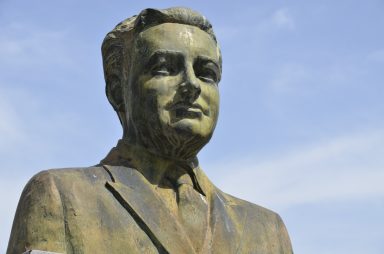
(162,69)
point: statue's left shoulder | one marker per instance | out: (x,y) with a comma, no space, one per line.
(263,229)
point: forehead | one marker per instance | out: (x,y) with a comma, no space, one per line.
(186,39)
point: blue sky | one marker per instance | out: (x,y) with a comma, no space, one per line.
(301,127)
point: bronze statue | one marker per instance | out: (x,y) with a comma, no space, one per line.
(149,195)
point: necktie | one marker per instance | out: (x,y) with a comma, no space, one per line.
(192,211)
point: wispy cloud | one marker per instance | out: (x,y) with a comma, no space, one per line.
(348,167)
(10,126)
(280,19)
(21,44)
(283,18)
(10,191)
(289,77)
(28,128)
(12,131)
(309,77)
(32,57)
(376,55)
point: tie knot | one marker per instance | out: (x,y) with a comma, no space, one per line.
(183,175)
(184,179)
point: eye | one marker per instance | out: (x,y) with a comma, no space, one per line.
(164,64)
(207,75)
(207,71)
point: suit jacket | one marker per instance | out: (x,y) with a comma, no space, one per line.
(114,209)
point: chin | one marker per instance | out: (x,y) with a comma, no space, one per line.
(182,139)
(192,128)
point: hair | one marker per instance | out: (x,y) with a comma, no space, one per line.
(118,44)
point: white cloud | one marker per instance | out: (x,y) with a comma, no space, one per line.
(29,127)
(9,124)
(10,191)
(289,77)
(282,18)
(21,44)
(377,55)
(310,78)
(12,131)
(349,167)
(28,139)
(228,32)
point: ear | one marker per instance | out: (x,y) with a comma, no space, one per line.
(114,93)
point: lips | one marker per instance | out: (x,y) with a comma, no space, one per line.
(185,110)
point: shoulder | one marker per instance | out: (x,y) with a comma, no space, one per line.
(250,208)
(51,185)
(261,226)
(40,215)
(59,176)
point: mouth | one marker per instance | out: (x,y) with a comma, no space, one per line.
(184,110)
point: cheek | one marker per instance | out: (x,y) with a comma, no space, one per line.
(212,98)
(161,86)
(156,93)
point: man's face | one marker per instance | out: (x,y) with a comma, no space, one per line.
(174,83)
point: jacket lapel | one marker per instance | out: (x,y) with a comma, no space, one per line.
(136,195)
(227,219)
(227,224)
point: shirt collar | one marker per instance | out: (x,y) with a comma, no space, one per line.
(155,168)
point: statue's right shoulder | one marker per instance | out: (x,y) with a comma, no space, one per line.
(61,176)
(39,221)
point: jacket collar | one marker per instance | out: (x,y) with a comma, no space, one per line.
(135,192)
(153,167)
(137,196)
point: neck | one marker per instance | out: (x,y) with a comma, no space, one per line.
(165,142)
(151,164)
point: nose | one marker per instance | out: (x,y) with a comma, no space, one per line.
(190,87)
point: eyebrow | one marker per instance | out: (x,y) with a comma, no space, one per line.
(210,60)
(163,52)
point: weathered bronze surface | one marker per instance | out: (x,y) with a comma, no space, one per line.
(149,195)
